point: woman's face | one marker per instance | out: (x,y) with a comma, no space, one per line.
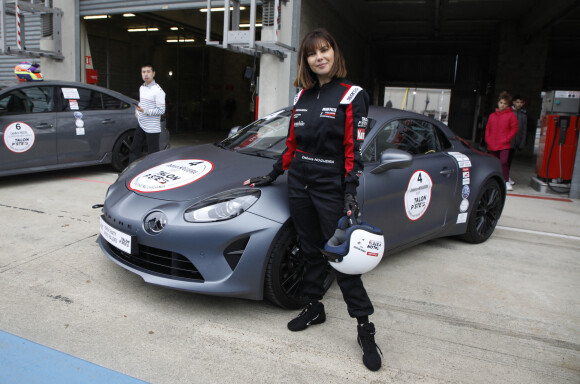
(321,61)
(502,104)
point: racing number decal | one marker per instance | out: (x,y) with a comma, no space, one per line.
(170,175)
(418,195)
(19,137)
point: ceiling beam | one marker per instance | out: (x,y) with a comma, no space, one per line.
(545,14)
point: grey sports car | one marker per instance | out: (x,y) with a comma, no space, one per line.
(55,124)
(182,219)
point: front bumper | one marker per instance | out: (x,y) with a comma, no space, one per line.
(226,258)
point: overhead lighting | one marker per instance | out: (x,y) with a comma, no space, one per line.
(94,17)
(128,15)
(180,40)
(174,28)
(221,9)
(142,29)
(248,25)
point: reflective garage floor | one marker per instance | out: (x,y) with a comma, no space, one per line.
(506,311)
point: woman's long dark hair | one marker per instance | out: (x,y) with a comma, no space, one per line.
(313,40)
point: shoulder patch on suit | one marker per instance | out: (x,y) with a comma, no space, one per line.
(297,96)
(350,94)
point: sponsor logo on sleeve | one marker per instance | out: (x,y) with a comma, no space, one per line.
(297,96)
(360,134)
(351,94)
(363,122)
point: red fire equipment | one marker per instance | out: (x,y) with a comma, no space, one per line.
(557,147)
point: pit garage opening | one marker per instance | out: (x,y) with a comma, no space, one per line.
(207,88)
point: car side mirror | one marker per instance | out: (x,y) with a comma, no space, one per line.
(234,130)
(393,159)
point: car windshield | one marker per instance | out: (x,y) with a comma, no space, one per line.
(264,137)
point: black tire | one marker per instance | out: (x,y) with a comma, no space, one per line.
(285,270)
(121,151)
(485,213)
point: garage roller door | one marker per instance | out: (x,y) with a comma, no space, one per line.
(96,7)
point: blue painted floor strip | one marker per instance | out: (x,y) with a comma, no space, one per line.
(23,361)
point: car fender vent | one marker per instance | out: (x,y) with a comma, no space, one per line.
(233,252)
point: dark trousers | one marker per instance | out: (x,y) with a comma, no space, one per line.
(140,137)
(503,157)
(316,203)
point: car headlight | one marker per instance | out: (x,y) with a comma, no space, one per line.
(223,206)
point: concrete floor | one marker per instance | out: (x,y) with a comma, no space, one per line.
(505,311)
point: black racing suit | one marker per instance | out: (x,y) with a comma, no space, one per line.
(323,162)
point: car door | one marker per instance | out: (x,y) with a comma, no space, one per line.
(89,123)
(28,126)
(412,203)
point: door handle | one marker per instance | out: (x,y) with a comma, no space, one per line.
(43,126)
(107,121)
(447,172)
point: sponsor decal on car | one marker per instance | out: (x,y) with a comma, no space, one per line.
(462,160)
(418,195)
(464,205)
(174,174)
(19,137)
(465,191)
(461,218)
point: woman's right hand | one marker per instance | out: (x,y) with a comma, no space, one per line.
(259,181)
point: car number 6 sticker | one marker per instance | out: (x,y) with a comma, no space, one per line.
(19,137)
(418,195)
(170,175)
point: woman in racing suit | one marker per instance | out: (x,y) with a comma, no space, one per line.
(323,162)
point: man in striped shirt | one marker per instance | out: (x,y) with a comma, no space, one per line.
(148,112)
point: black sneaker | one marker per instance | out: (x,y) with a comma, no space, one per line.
(366,340)
(313,313)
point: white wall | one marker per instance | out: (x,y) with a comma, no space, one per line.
(66,69)
(275,82)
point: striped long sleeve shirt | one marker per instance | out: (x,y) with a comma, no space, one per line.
(152,100)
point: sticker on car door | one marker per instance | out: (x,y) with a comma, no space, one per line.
(418,195)
(19,137)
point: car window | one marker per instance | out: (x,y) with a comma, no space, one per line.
(28,100)
(91,100)
(414,136)
(265,137)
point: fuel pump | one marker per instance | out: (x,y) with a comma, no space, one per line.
(560,128)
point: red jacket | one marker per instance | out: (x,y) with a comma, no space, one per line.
(501,128)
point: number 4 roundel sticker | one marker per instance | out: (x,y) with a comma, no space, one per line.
(418,195)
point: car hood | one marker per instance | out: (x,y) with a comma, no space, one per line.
(193,173)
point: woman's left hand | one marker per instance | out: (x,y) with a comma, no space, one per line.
(351,205)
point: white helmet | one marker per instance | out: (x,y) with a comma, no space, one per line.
(354,248)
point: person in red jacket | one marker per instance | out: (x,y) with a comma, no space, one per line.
(501,128)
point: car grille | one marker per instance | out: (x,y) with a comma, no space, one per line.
(159,262)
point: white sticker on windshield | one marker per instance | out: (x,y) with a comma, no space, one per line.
(174,174)
(70,93)
(19,137)
(418,195)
